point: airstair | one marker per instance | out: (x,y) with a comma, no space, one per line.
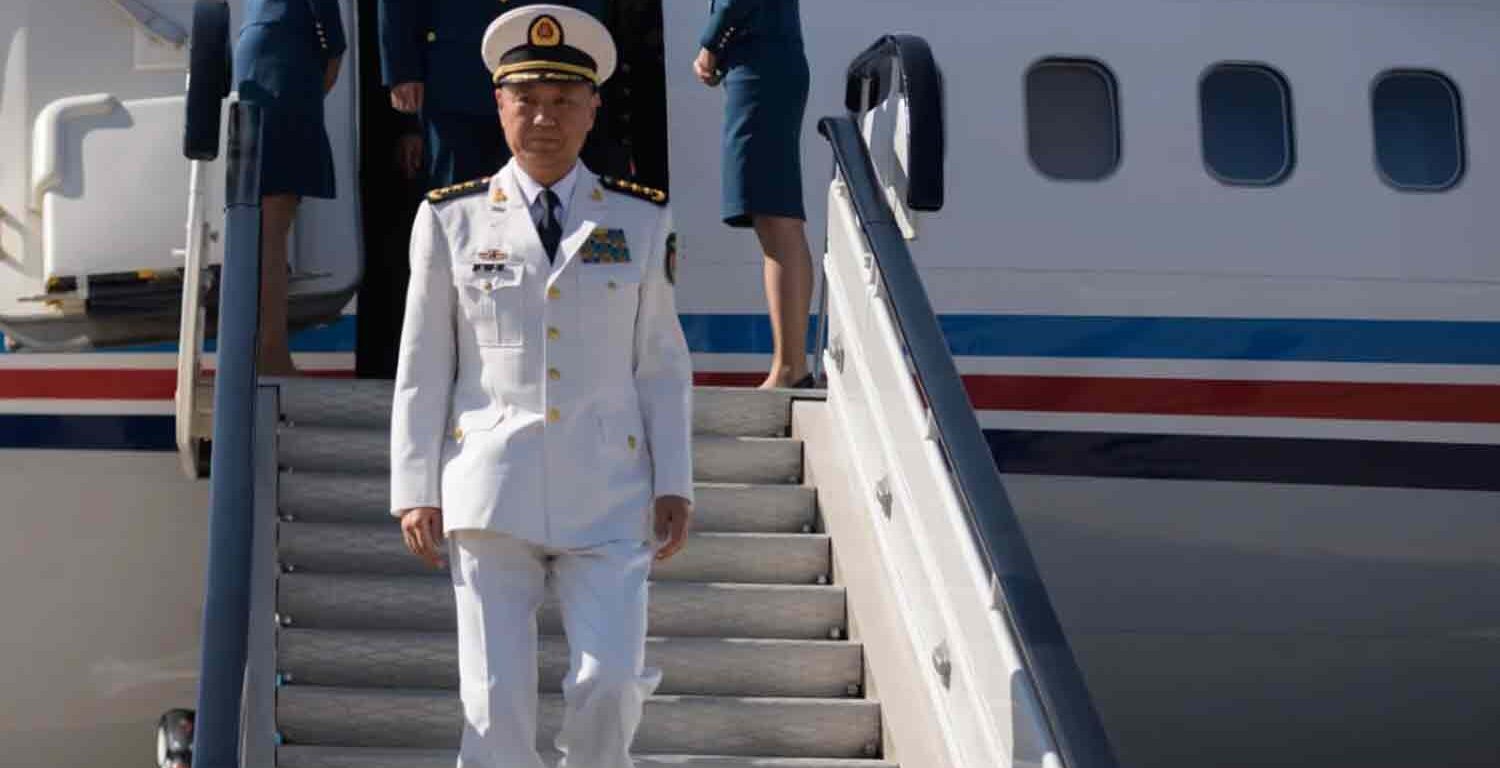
(748,622)
(857,592)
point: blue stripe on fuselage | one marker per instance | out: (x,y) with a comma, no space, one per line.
(1066,336)
(1174,338)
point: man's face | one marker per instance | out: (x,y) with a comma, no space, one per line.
(546,122)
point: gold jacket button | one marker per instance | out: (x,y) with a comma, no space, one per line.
(458,433)
(431,37)
(554,293)
(631,442)
(554,374)
(554,415)
(553,334)
(613,285)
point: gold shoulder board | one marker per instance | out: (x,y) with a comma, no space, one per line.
(625,186)
(458,190)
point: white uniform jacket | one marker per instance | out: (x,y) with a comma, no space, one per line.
(548,402)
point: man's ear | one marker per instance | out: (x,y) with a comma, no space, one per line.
(498,89)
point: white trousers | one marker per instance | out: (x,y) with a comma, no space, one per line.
(500,582)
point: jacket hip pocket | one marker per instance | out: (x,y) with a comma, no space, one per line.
(621,433)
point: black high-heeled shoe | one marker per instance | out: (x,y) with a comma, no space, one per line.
(806,382)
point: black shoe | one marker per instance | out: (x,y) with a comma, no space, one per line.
(806,382)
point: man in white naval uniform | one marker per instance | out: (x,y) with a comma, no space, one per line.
(542,414)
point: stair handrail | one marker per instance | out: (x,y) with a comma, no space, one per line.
(231,528)
(1067,706)
(920,80)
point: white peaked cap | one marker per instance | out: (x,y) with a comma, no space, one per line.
(548,42)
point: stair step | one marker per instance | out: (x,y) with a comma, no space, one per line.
(718,724)
(366,404)
(721,507)
(747,459)
(677,609)
(367,452)
(355,757)
(695,666)
(750,558)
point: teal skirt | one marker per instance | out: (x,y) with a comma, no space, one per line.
(762,152)
(281,70)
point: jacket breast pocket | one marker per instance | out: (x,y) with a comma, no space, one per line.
(494,304)
(614,291)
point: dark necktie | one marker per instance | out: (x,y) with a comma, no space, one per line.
(550,229)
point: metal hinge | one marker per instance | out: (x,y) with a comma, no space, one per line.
(942,663)
(836,353)
(884,496)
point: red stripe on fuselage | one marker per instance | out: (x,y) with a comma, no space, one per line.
(87,384)
(1363,401)
(101,383)
(728,379)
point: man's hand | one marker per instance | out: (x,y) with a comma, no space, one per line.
(673,514)
(706,67)
(422,530)
(407,97)
(409,154)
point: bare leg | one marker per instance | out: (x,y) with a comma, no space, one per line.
(789,287)
(274,356)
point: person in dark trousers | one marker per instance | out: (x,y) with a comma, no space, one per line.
(754,47)
(392,185)
(286,59)
(429,62)
(636,96)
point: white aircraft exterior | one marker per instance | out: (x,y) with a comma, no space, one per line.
(1245,394)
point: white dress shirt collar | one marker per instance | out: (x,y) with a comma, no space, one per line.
(531,190)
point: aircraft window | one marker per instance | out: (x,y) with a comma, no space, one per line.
(1419,142)
(1246,113)
(1072,119)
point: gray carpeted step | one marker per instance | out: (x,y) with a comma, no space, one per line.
(677,609)
(366,404)
(693,666)
(720,724)
(351,757)
(746,558)
(721,507)
(366,452)
(747,459)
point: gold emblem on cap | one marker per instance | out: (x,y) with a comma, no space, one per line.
(545,33)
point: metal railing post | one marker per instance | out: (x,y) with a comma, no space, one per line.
(226,604)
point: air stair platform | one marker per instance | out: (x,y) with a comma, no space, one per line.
(747,623)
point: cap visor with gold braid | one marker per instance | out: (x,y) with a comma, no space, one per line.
(548,42)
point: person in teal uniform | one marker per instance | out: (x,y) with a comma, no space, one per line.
(428,60)
(754,47)
(286,59)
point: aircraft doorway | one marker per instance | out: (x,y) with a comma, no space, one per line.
(632,126)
